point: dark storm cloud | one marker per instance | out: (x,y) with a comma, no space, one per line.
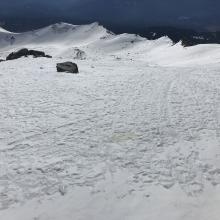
(193,13)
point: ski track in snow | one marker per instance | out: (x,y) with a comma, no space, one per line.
(158,125)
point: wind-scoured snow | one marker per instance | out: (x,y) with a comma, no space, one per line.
(134,136)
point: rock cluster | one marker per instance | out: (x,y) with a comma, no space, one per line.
(68,67)
(25,52)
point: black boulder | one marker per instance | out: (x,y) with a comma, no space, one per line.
(68,67)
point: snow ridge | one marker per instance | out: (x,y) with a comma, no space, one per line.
(96,41)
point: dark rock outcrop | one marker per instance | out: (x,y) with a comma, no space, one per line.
(36,53)
(1,60)
(48,56)
(68,67)
(25,52)
(18,54)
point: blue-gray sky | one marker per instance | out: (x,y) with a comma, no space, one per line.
(202,14)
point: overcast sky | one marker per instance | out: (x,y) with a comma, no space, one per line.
(132,13)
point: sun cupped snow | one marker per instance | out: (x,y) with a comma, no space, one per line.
(135,135)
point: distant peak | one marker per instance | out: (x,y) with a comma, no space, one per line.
(95,24)
(65,27)
(64,24)
(61,24)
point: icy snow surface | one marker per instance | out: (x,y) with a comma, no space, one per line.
(134,136)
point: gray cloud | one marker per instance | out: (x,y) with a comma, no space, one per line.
(202,13)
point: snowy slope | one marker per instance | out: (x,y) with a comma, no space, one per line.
(58,33)
(134,136)
(63,39)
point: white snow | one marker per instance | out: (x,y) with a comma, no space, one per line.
(134,136)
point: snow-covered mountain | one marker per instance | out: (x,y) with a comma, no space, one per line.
(61,39)
(135,135)
(58,33)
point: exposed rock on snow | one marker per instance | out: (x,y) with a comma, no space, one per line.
(79,54)
(36,53)
(25,52)
(68,67)
(18,54)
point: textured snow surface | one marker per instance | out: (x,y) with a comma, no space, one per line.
(134,136)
